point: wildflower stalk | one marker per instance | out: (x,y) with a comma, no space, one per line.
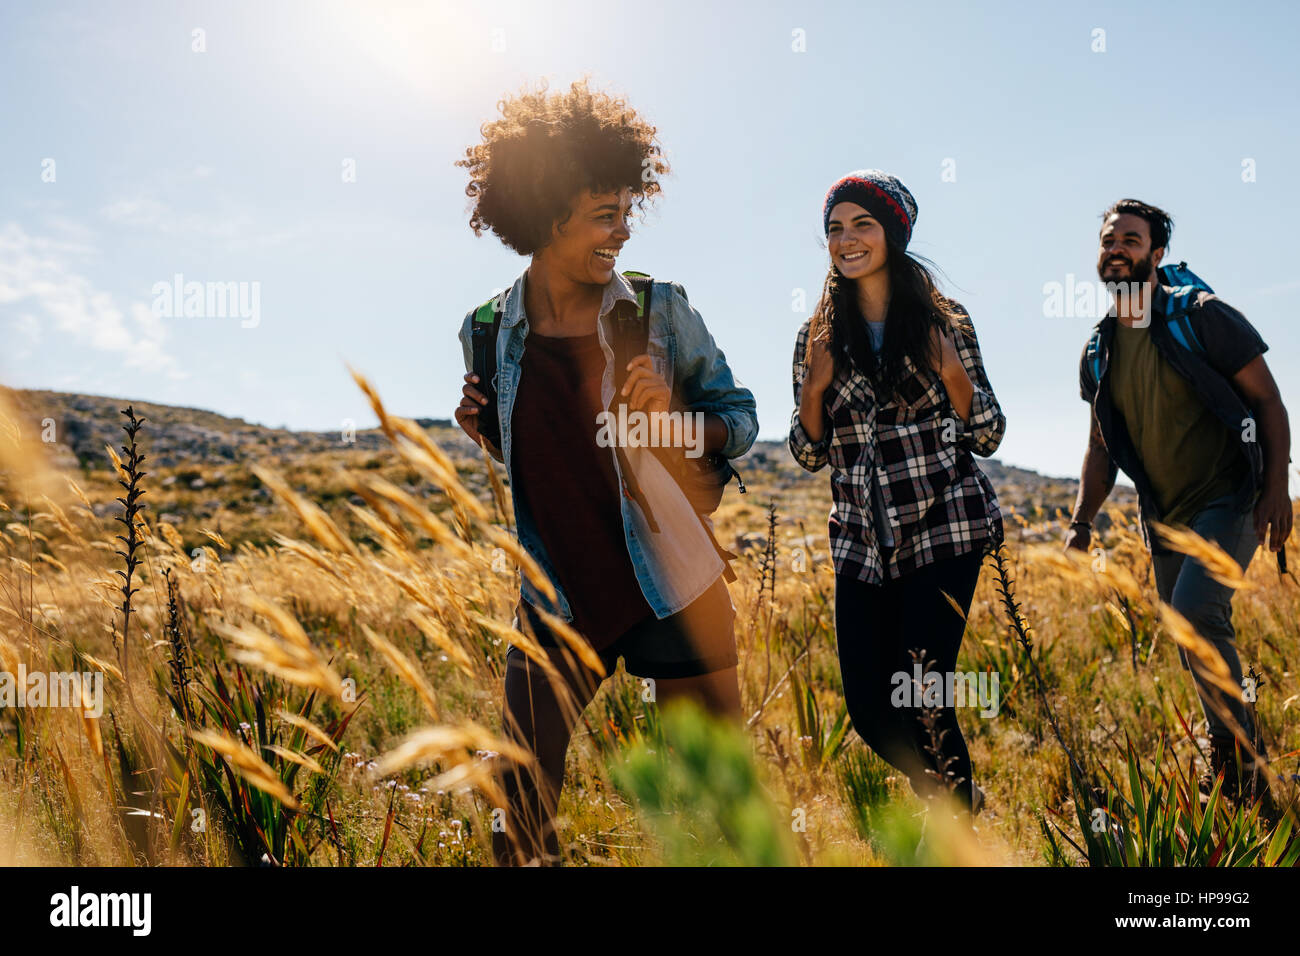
(1020,628)
(129,478)
(179,664)
(1132,627)
(941,772)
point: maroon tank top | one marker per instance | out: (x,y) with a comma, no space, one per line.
(570,485)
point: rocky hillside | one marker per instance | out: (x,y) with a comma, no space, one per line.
(174,436)
(198,462)
(177,436)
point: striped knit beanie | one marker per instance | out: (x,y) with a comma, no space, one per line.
(882,195)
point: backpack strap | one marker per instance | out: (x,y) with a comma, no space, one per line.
(483,338)
(631,338)
(632,326)
(1180,327)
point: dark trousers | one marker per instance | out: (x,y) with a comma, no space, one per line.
(876,628)
(1185,585)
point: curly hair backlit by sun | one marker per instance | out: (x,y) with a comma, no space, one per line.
(545,150)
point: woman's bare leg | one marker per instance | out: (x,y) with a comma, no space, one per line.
(718,692)
(539,716)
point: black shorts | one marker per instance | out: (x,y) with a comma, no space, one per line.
(699,639)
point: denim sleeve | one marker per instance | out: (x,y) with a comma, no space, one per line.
(466,342)
(982,434)
(704,378)
(812,456)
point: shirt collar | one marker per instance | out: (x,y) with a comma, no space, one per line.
(616,290)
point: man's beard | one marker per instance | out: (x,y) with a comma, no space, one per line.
(1140,271)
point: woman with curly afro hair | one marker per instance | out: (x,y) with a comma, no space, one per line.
(627,565)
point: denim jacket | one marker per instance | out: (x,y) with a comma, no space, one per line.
(678,563)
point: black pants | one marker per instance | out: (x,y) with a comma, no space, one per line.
(876,627)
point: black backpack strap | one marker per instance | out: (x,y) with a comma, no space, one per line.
(631,337)
(727,556)
(483,338)
(632,326)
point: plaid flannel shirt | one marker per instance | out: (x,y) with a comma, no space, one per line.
(940,503)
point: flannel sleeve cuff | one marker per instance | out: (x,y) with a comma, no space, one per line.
(808,453)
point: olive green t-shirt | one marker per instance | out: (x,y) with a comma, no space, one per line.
(1189,455)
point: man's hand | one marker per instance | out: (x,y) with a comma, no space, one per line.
(645,389)
(1273,517)
(1273,510)
(1078,537)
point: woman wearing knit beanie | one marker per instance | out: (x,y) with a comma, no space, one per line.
(890,390)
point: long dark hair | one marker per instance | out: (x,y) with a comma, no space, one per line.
(915,308)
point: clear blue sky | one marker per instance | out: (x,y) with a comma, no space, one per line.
(225,165)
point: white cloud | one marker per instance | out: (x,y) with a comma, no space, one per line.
(28,327)
(39,274)
(140,212)
(236,228)
(144,212)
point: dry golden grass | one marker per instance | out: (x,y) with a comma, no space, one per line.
(393,613)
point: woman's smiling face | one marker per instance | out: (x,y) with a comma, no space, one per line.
(856,241)
(586,247)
